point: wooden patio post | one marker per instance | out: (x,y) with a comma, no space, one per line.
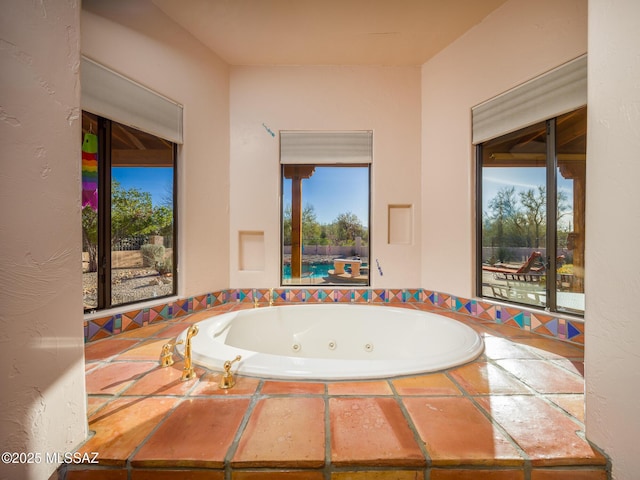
(297,173)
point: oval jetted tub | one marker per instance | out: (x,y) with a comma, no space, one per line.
(333,342)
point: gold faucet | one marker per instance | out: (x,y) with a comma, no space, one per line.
(255,299)
(166,355)
(271,297)
(188,372)
(227,380)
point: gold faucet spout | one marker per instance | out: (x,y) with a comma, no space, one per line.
(271,297)
(188,372)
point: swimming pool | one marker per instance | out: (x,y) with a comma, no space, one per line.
(311,270)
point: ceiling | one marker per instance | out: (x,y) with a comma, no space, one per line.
(311,32)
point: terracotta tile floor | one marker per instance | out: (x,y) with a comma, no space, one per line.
(516,412)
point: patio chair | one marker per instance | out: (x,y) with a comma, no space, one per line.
(527,272)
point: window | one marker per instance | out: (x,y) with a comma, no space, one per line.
(531,198)
(128,214)
(325,207)
(329,243)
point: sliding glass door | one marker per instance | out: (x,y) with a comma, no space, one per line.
(531,191)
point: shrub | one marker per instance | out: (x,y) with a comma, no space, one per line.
(165,267)
(152,255)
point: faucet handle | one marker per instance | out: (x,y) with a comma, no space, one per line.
(166,355)
(228,363)
(227,381)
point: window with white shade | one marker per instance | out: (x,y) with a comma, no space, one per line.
(129,146)
(325,207)
(531,199)
(531,166)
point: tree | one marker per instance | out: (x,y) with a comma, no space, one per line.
(563,206)
(348,227)
(535,212)
(329,234)
(504,219)
(311,229)
(162,220)
(521,220)
(90,236)
(132,214)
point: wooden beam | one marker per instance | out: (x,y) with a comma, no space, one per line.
(122,130)
(500,159)
(300,171)
(142,158)
(296,227)
(297,173)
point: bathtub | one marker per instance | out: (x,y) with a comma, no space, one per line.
(333,342)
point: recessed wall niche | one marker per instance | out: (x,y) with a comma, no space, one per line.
(400,224)
(251,251)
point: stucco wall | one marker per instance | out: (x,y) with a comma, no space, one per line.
(142,44)
(612,355)
(383,99)
(518,41)
(42,397)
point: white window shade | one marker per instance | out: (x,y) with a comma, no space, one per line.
(556,92)
(110,95)
(313,147)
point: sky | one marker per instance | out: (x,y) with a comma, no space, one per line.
(158,181)
(522,178)
(334,190)
(331,190)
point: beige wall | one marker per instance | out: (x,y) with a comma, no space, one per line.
(612,366)
(383,99)
(42,396)
(518,41)
(155,52)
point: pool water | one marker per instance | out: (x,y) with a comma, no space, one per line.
(309,270)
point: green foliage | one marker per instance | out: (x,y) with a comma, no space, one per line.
(311,229)
(162,221)
(152,255)
(341,232)
(348,227)
(165,267)
(132,214)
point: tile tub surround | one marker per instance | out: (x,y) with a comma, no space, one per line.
(514,413)
(570,329)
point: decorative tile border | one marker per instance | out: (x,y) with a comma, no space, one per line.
(571,330)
